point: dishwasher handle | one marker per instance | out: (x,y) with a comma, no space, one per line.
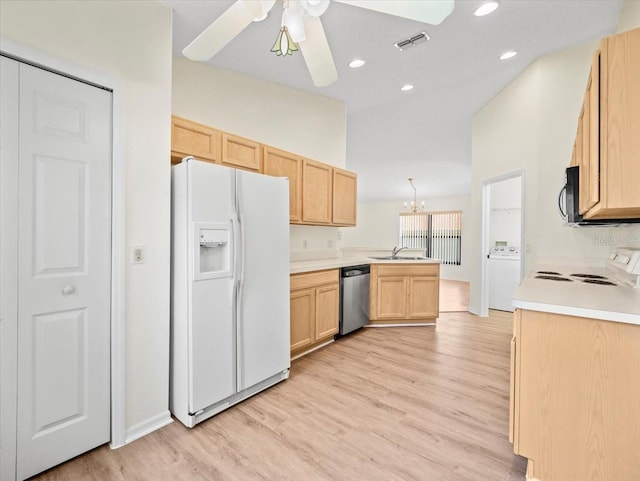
(353,271)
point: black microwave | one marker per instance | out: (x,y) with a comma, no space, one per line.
(569,203)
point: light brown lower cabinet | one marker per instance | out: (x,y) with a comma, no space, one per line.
(404,293)
(575,397)
(314,301)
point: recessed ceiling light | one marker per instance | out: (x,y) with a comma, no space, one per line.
(357,63)
(406,87)
(486,8)
(508,54)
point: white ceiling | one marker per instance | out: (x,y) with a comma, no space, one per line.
(424,133)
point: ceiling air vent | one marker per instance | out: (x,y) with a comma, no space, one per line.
(412,42)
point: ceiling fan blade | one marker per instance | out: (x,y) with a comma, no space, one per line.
(233,21)
(427,11)
(317,54)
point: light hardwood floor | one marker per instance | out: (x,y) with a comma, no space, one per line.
(454,296)
(406,403)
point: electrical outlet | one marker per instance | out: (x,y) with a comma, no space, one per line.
(137,255)
(304,244)
(339,234)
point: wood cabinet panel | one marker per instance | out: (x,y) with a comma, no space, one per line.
(619,124)
(404,293)
(316,192)
(314,279)
(423,297)
(576,413)
(192,138)
(241,153)
(407,269)
(315,303)
(345,185)
(279,163)
(327,305)
(303,311)
(391,298)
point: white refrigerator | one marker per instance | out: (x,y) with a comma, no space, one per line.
(229,287)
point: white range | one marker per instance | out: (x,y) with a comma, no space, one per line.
(610,293)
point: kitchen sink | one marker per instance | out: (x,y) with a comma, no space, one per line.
(400,258)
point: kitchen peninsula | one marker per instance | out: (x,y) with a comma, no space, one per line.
(403,291)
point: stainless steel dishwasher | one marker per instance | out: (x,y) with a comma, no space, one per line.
(354,298)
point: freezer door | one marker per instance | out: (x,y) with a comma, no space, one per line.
(263,301)
(211,335)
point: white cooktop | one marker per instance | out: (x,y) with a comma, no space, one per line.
(575,297)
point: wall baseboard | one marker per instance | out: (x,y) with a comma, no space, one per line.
(145,427)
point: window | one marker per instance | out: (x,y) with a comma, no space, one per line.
(438,233)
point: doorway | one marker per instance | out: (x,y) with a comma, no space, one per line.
(502,240)
(56,268)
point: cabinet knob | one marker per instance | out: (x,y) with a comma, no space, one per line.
(66,290)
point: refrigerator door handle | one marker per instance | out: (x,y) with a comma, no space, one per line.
(240,215)
(234,335)
(240,245)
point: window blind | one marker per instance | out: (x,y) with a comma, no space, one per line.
(438,233)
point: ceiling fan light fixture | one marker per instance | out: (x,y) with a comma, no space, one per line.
(508,54)
(357,63)
(406,87)
(284,45)
(292,19)
(315,8)
(486,8)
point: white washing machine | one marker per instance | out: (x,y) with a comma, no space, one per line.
(504,276)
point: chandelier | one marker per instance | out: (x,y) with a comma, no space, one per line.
(413,205)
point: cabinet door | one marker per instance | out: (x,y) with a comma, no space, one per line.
(423,297)
(619,126)
(391,300)
(191,138)
(588,135)
(327,304)
(283,164)
(344,197)
(241,153)
(582,141)
(316,192)
(303,311)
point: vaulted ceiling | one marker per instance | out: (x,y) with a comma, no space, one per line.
(424,133)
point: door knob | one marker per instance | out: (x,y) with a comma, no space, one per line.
(66,290)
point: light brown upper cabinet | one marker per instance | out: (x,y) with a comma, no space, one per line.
(279,163)
(192,138)
(344,197)
(316,192)
(241,153)
(319,194)
(614,122)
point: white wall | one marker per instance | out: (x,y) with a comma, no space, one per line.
(130,41)
(378,227)
(531,125)
(307,124)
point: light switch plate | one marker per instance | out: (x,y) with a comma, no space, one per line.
(137,255)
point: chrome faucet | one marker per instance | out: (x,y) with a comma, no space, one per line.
(395,251)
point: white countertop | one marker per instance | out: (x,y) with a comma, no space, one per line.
(609,303)
(337,262)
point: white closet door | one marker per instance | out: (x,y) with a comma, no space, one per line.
(64,269)
(8,263)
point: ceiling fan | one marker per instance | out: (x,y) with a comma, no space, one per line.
(301,25)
